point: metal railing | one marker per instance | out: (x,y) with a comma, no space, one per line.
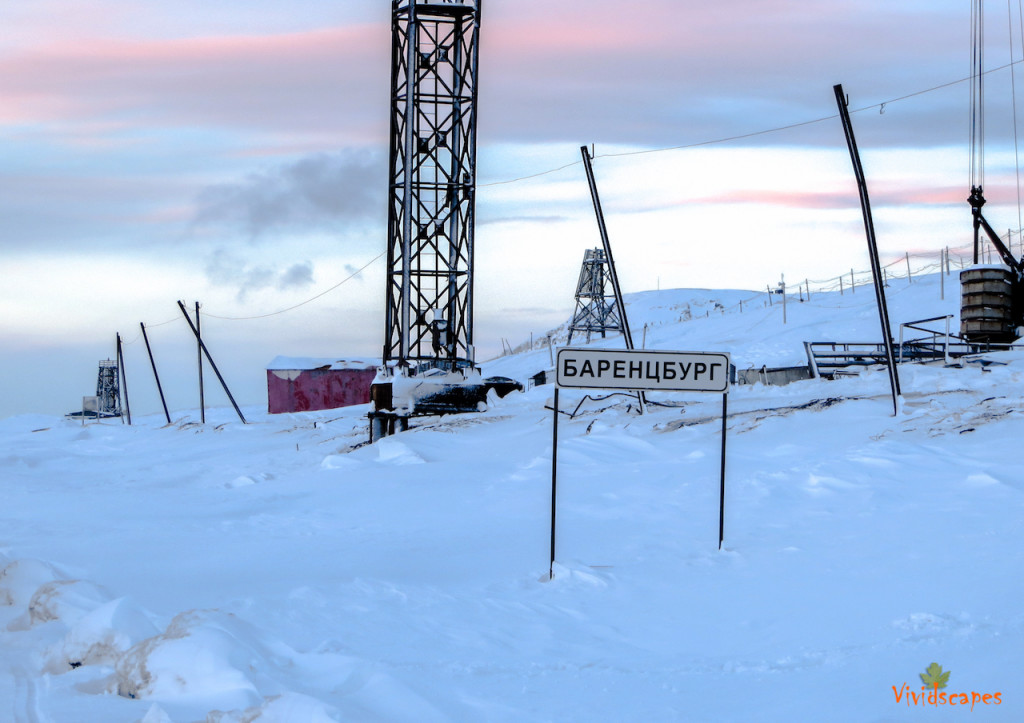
(825,358)
(922,343)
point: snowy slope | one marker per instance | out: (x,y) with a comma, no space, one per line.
(287,571)
(754,332)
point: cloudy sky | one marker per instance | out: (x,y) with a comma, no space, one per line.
(234,153)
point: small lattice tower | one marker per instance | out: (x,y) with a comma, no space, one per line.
(108,390)
(596,311)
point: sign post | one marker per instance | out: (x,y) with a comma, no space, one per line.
(640,370)
(554,469)
(721,494)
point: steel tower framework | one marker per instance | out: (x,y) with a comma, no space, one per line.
(596,309)
(108,389)
(432,185)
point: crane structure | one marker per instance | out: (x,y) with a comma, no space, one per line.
(977,144)
(992,298)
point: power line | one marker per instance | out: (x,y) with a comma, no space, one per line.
(532,175)
(753,134)
(150,326)
(719,140)
(765,131)
(174,320)
(301,303)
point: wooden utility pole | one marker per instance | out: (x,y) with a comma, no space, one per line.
(156,376)
(213,364)
(199,352)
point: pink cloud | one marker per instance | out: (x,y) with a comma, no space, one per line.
(658,72)
(790,199)
(830,200)
(256,81)
(603,72)
(903,196)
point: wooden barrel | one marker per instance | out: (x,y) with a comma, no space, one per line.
(986,304)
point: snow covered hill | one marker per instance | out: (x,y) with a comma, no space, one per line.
(751,328)
(285,570)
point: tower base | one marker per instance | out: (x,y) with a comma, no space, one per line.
(397,398)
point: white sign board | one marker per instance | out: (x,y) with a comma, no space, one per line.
(669,371)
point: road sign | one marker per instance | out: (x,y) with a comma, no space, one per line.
(669,371)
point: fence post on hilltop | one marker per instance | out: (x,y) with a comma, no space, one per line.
(910,279)
(840,285)
(853,283)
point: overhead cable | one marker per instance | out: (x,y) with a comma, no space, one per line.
(753,134)
(301,303)
(697,144)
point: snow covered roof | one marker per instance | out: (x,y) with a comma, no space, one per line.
(280,363)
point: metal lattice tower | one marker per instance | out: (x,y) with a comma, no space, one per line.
(596,310)
(108,389)
(432,184)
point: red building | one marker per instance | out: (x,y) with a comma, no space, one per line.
(301,384)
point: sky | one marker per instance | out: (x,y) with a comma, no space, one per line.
(234,153)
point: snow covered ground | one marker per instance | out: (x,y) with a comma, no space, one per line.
(284,570)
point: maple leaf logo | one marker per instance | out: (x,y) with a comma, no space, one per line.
(933,676)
